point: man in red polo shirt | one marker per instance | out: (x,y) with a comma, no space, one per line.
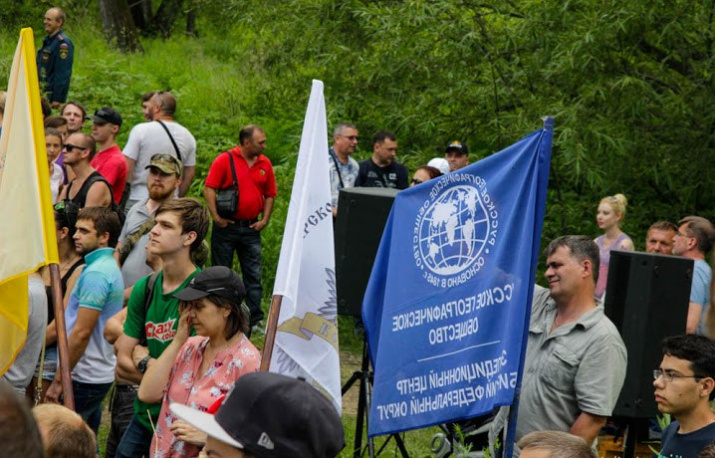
(109,160)
(240,232)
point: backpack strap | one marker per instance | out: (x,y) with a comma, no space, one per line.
(148,295)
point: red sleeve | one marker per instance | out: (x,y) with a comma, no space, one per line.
(216,174)
(271,189)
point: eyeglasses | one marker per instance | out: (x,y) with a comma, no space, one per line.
(416,181)
(352,138)
(69,147)
(668,375)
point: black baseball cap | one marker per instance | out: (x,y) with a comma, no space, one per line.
(107,114)
(218,280)
(457,146)
(272,415)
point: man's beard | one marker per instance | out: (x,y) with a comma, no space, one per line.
(159,193)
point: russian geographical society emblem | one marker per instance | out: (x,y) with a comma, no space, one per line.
(454,230)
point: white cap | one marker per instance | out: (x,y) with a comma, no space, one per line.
(440,164)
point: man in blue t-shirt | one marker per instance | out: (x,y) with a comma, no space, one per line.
(684,385)
(97,296)
(694,240)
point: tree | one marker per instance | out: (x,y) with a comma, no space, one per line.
(118,25)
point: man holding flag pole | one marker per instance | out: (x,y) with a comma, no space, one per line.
(303,316)
(27,240)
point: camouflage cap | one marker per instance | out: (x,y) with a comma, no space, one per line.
(167,163)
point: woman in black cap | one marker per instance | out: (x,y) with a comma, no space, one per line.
(196,371)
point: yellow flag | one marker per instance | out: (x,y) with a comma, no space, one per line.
(27,230)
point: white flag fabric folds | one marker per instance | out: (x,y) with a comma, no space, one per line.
(307,339)
(27,229)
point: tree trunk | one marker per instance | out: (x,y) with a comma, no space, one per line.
(165,17)
(141,13)
(119,25)
(191,22)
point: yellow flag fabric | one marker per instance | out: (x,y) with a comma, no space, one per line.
(27,231)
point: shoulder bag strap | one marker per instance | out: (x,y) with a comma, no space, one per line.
(233,169)
(134,238)
(176,148)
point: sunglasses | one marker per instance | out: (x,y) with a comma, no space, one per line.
(60,206)
(69,147)
(416,181)
(164,157)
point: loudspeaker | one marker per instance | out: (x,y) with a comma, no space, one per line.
(362,214)
(647,298)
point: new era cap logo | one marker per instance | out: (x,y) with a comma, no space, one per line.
(265,441)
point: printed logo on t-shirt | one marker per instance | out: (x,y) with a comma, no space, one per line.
(163,332)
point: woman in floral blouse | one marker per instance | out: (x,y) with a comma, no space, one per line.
(196,371)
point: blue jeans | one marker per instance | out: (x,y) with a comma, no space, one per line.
(88,399)
(136,441)
(246,242)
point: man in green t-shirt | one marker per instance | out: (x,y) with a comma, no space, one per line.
(181,225)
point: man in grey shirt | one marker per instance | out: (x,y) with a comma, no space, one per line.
(575,361)
(163,180)
(22,370)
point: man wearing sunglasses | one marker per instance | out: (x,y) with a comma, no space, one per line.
(89,188)
(693,240)
(684,385)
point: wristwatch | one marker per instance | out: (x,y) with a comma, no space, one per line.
(141,365)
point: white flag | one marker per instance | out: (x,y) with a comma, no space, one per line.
(307,339)
(27,227)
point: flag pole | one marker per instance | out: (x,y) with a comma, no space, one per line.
(62,344)
(271,329)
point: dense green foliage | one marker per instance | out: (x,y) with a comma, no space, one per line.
(630,86)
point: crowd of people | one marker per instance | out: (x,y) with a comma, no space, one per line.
(169,341)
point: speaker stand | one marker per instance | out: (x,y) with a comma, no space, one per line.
(365,377)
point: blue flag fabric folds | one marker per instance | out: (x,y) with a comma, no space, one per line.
(446,308)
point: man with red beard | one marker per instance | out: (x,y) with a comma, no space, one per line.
(163,180)
(684,388)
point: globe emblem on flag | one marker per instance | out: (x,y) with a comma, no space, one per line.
(453,231)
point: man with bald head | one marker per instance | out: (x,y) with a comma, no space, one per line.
(54,59)
(160,135)
(89,188)
(659,238)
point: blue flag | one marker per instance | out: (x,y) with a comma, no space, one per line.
(446,308)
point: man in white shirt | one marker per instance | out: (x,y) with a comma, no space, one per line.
(160,135)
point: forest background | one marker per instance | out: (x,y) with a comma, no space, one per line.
(630,85)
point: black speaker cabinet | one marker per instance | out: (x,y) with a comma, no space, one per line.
(647,297)
(362,214)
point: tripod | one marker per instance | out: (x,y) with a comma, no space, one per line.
(365,377)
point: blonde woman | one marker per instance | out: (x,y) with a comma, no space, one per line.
(611,211)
